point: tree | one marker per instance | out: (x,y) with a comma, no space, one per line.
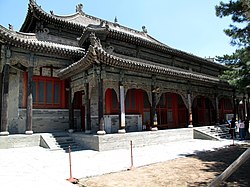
(238,63)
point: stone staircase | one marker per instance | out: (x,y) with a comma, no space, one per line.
(60,141)
(218,132)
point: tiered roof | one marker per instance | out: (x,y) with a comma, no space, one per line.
(81,21)
(90,25)
(30,42)
(78,21)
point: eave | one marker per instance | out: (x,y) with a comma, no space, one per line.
(29,42)
(97,55)
(35,11)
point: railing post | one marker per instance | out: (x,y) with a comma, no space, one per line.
(131,155)
(71,179)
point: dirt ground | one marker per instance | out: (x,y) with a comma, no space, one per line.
(192,171)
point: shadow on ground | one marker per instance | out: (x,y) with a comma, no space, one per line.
(217,161)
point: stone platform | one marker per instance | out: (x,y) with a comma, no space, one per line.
(20,140)
(103,142)
(139,139)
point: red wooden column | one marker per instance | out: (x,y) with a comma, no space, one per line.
(190,118)
(5,98)
(29,108)
(175,110)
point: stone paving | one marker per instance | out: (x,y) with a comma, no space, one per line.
(36,166)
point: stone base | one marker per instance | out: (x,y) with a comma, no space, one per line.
(4,133)
(121,131)
(29,132)
(101,132)
(190,126)
(122,141)
(154,129)
(87,132)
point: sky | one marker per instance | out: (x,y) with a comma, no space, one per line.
(187,25)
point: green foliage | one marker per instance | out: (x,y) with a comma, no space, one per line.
(238,73)
(239,12)
(238,63)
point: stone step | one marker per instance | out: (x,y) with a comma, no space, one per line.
(61,141)
(218,132)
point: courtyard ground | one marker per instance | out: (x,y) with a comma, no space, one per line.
(193,170)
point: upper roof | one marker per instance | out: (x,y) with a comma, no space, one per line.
(30,41)
(83,22)
(78,20)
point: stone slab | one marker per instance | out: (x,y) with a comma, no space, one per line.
(19,140)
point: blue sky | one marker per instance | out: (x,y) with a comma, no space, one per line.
(187,25)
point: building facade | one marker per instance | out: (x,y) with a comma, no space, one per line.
(92,75)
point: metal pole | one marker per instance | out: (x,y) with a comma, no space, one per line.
(71,179)
(70,170)
(131,149)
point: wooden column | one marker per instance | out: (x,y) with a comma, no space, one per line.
(217,112)
(190,115)
(248,107)
(154,122)
(71,109)
(87,102)
(244,108)
(237,102)
(234,106)
(5,99)
(101,130)
(1,94)
(29,108)
(122,109)
(2,62)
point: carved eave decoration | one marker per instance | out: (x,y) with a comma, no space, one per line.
(35,11)
(96,54)
(101,31)
(28,41)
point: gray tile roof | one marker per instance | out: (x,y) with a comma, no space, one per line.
(30,41)
(132,64)
(80,21)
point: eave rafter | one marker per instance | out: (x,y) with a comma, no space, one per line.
(97,53)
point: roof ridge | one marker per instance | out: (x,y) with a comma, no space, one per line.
(62,18)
